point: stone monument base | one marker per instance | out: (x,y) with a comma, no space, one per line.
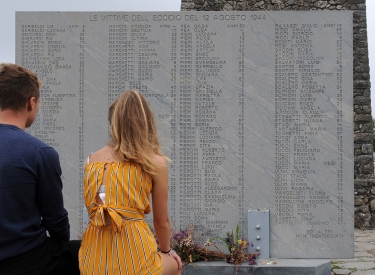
(283,267)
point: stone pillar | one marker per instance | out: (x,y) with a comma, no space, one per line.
(364,182)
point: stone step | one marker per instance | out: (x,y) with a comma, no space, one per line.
(282,267)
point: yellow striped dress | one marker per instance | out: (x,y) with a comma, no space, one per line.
(128,245)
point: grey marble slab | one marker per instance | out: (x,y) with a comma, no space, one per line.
(283,267)
(254,109)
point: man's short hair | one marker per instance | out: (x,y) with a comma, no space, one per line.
(17,86)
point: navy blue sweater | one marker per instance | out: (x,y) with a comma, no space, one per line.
(31,200)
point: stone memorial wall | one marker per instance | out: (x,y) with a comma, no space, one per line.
(253,108)
(364,183)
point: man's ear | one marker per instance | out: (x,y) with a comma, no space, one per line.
(31,103)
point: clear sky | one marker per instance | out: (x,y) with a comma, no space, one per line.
(8,8)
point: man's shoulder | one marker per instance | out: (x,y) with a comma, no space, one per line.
(37,142)
(23,139)
(33,140)
(41,148)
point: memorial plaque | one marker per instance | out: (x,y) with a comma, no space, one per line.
(253,108)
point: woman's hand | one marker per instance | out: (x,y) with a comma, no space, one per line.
(174,255)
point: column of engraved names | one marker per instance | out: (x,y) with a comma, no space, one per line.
(285,115)
(147,54)
(190,200)
(303,157)
(81,110)
(305,151)
(173,94)
(209,66)
(56,52)
(32,57)
(32,49)
(120,52)
(145,59)
(202,116)
(46,56)
(339,96)
(241,145)
(53,64)
(302,151)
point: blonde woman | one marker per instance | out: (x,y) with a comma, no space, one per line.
(119,180)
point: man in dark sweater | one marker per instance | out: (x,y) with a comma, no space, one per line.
(31,200)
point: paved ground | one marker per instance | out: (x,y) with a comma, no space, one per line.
(364,256)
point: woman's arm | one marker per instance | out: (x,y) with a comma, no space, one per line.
(160,204)
(160,209)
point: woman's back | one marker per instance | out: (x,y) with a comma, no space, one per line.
(117,237)
(119,179)
(125,186)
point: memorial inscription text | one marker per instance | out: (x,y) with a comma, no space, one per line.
(254,109)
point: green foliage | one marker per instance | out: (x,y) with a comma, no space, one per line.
(231,241)
(237,248)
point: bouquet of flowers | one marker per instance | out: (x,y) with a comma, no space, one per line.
(183,243)
(237,248)
(189,251)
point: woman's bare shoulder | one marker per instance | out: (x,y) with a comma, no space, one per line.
(160,161)
(103,155)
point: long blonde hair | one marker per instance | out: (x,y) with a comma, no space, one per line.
(133,131)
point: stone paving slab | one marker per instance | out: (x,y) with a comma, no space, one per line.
(364,256)
(359,265)
(366,272)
